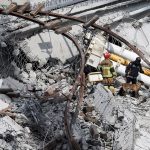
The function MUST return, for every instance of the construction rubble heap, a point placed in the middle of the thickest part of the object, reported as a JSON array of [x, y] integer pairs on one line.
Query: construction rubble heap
[[52, 96], [32, 113], [33, 121]]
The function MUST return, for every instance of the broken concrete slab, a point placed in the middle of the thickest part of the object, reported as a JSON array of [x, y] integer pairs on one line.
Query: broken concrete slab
[[125, 136], [5, 98], [47, 46], [3, 106], [12, 83], [104, 102], [6, 123], [4, 145]]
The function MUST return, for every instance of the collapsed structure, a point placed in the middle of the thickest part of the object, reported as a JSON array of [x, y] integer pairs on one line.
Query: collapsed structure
[[51, 101]]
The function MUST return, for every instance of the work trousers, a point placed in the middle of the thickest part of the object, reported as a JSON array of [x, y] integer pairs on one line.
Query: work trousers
[[108, 81], [109, 84], [132, 80]]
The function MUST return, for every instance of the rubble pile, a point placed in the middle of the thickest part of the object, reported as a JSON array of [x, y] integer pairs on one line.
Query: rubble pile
[[41, 118], [109, 122], [103, 122], [14, 134], [19, 64], [95, 131], [40, 114], [34, 97]]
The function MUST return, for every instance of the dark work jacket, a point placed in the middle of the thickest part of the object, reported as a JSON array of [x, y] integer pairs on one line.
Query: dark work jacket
[[133, 69]]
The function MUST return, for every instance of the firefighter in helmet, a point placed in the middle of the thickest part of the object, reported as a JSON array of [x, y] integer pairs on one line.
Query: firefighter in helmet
[[108, 72]]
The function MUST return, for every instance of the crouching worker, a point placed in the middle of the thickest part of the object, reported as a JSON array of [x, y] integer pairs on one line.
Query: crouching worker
[[131, 74], [108, 72]]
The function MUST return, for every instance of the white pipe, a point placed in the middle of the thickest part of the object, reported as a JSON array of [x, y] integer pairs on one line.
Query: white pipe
[[120, 69], [130, 55]]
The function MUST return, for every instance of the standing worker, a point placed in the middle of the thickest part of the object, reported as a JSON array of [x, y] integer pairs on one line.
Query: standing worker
[[131, 74], [108, 72], [132, 71]]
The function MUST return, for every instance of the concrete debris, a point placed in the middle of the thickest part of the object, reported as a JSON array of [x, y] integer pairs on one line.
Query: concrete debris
[[38, 72], [94, 132], [13, 84], [103, 122], [3, 106], [5, 99], [9, 124], [22, 119], [3, 44]]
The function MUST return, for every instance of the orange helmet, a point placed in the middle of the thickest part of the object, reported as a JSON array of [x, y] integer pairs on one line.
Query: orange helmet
[[106, 55]]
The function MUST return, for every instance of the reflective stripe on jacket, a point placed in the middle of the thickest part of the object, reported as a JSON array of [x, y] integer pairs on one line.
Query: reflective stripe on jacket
[[107, 69], [106, 72]]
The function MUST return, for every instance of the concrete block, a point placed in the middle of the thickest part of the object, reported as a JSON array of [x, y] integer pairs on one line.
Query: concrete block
[[3, 106], [6, 123]]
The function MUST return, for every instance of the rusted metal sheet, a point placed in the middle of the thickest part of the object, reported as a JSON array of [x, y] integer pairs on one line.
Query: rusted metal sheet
[[23, 8], [37, 10], [10, 8]]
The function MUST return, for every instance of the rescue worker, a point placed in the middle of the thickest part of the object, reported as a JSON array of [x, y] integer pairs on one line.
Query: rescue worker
[[131, 73], [108, 72]]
